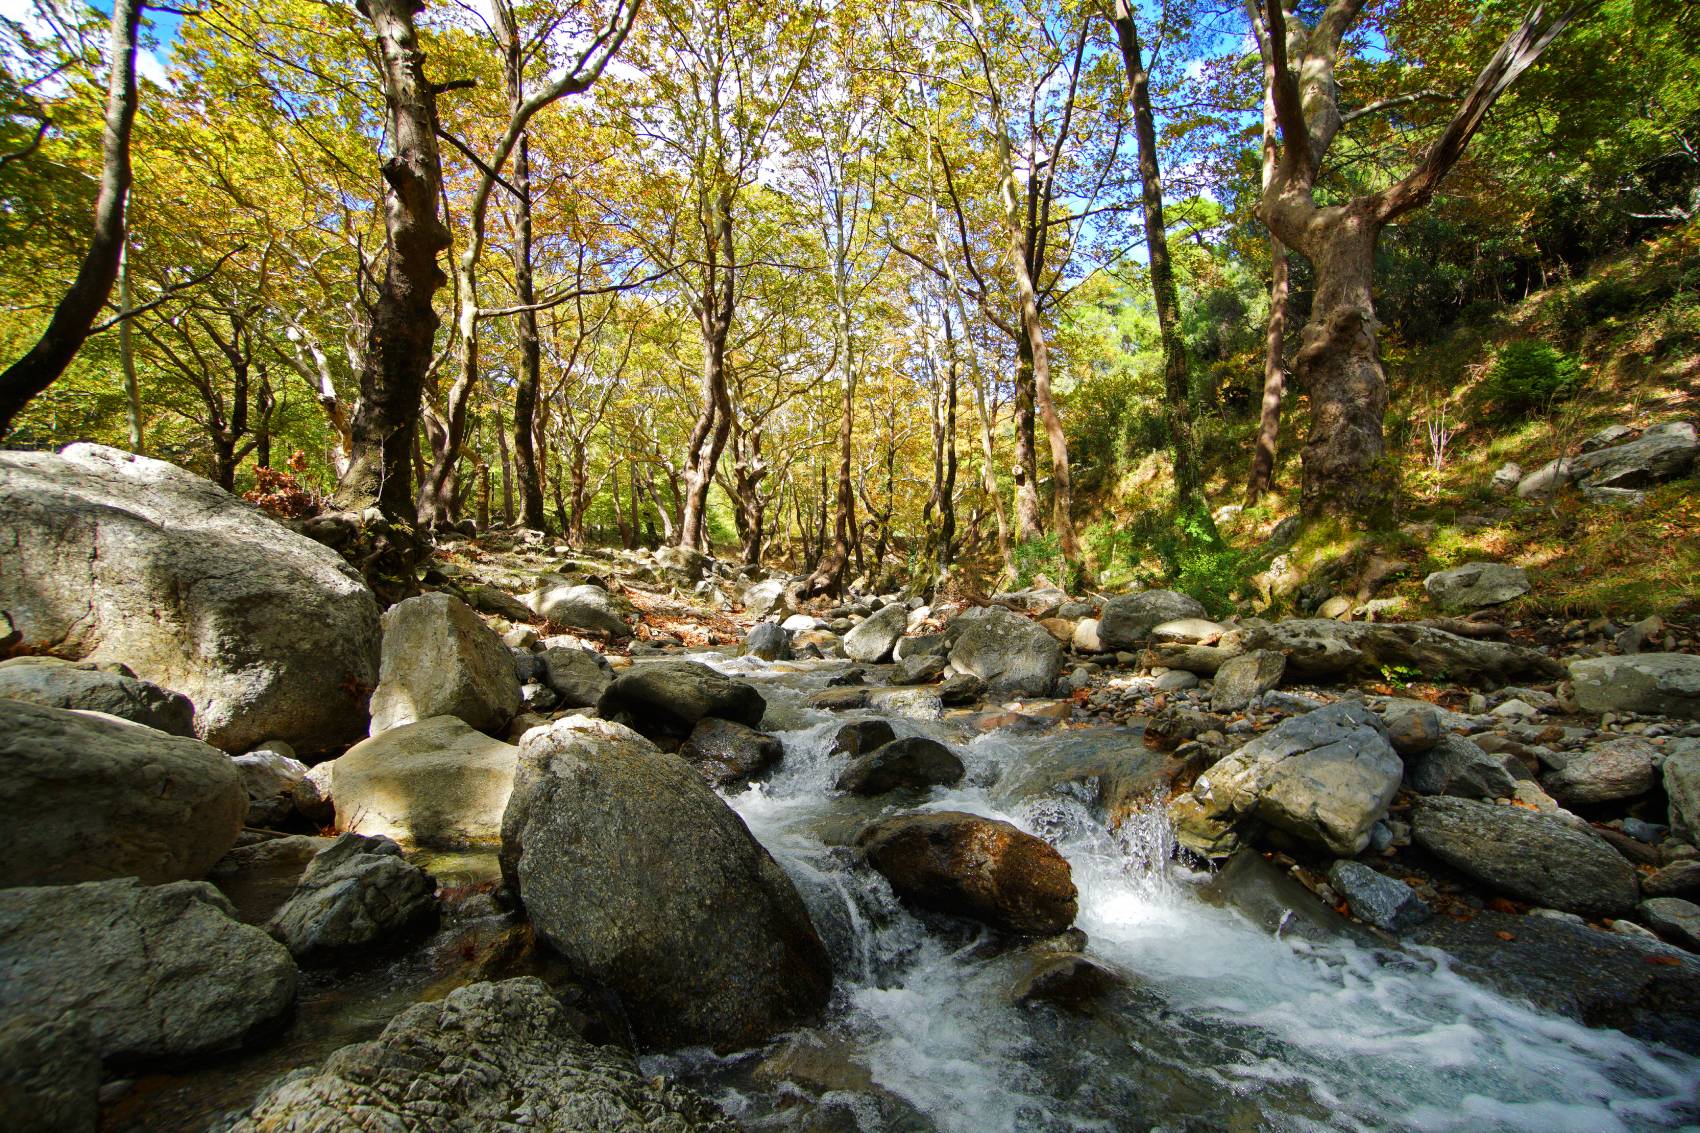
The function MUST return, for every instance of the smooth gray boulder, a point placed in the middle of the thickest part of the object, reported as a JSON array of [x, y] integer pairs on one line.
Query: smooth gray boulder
[[440, 659], [1541, 858], [1457, 766], [871, 640], [357, 896], [912, 763], [1662, 684], [730, 754], [158, 972], [49, 1075], [1610, 772], [115, 557], [1661, 453], [488, 1057], [1126, 621], [1475, 585], [1378, 899], [1546, 480], [667, 698], [577, 676], [438, 782], [1676, 920], [1324, 649], [1241, 680], [1413, 726], [93, 687], [1015, 656], [1325, 777], [767, 642], [575, 604], [270, 779], [766, 597], [84, 798], [633, 869]]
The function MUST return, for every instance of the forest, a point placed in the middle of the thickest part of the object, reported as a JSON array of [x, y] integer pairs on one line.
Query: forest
[[849, 566], [857, 287]]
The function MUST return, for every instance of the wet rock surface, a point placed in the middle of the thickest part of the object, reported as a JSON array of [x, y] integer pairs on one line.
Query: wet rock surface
[[910, 763]]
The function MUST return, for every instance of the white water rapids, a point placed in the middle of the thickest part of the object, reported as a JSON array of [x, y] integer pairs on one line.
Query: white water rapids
[[1222, 1026]]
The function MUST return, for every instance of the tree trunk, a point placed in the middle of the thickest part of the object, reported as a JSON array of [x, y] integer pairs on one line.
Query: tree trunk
[[1029, 524], [947, 487], [404, 322], [127, 355], [716, 306], [530, 380], [1274, 377], [66, 331]]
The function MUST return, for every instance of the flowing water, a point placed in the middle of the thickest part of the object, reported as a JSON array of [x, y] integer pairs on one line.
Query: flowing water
[[1221, 1025]]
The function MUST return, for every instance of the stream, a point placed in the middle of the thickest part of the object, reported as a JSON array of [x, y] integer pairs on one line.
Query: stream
[[1218, 1025]]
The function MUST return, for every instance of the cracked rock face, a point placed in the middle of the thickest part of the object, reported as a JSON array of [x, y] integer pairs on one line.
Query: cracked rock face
[[490, 1056], [115, 557]]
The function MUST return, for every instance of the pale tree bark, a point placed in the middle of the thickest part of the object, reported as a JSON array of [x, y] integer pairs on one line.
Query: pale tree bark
[[74, 317], [127, 354], [1338, 363], [1177, 386], [717, 303], [404, 321], [1262, 479]]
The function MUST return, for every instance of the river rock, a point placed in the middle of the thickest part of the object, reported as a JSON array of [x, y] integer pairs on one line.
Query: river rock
[[1325, 777], [359, 895], [1676, 920], [1378, 899], [970, 866], [158, 972], [1663, 684], [919, 670], [1609, 772], [1322, 649], [1475, 585], [1040, 601], [1679, 879], [1243, 679], [1457, 766], [683, 563], [578, 677], [488, 1057], [110, 688], [910, 763], [438, 782], [1014, 655], [767, 642], [1127, 620], [49, 1075], [729, 754], [667, 698], [1546, 480], [1188, 631], [115, 557], [961, 689], [440, 659], [1413, 726], [1661, 453], [85, 798], [1544, 859], [766, 598], [1086, 639], [860, 736], [269, 779], [575, 604], [872, 639], [1682, 787], [632, 868]]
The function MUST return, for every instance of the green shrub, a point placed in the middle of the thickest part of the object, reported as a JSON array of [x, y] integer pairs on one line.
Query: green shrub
[[1041, 556], [1529, 374]]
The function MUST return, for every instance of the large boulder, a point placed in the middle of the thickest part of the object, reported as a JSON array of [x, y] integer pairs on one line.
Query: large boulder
[[440, 659], [438, 782], [766, 597], [1241, 680], [631, 867], [159, 972], [1457, 766], [488, 1057], [1126, 621], [871, 640], [1610, 772], [1014, 655], [84, 798], [49, 1075], [768, 642], [1664, 684], [1474, 585], [1325, 777], [667, 698], [1547, 859], [912, 763], [1662, 453], [1324, 649], [578, 677], [114, 557], [575, 604], [729, 754], [970, 866], [94, 687], [356, 896]]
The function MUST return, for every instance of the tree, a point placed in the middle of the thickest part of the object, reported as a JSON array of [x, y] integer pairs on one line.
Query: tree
[[1338, 363], [76, 312]]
